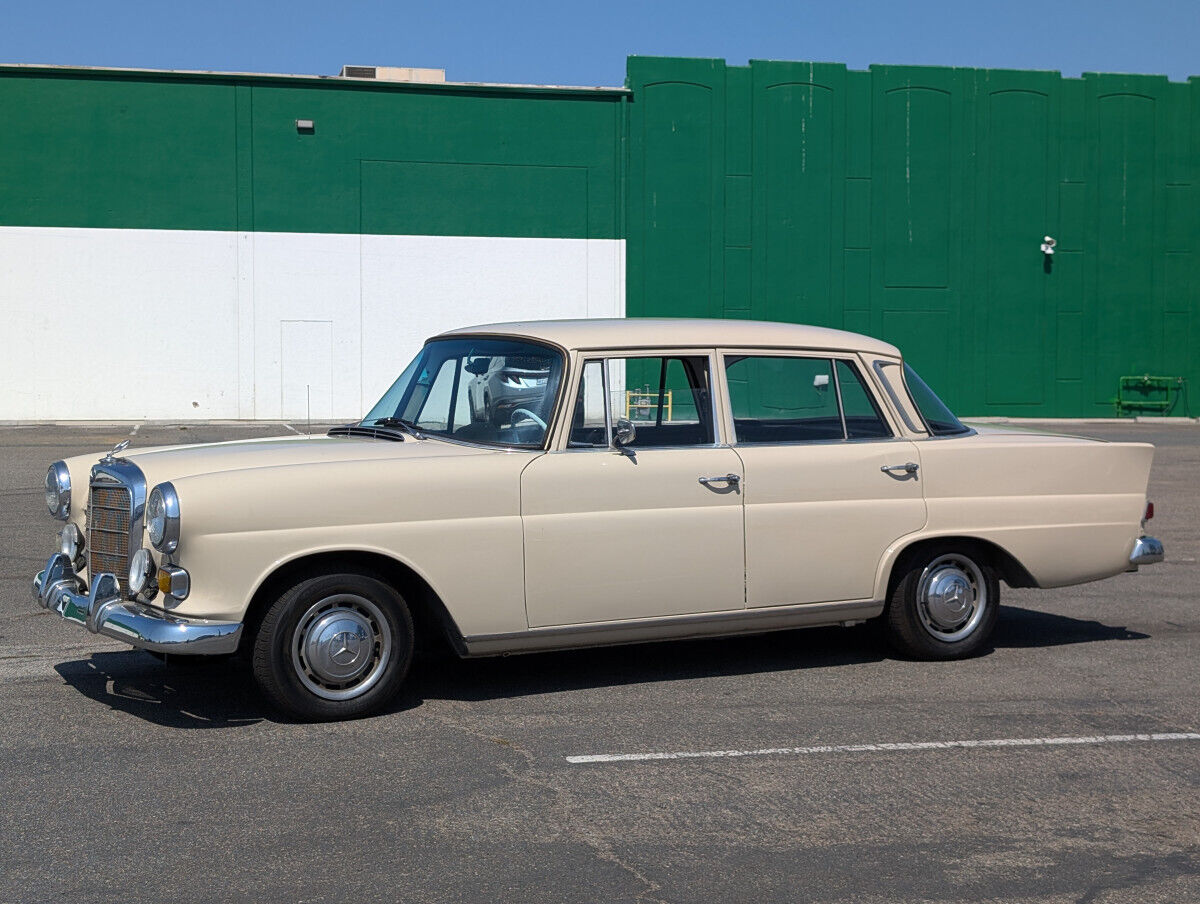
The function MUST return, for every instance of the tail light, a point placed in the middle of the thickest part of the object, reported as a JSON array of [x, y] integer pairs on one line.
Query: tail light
[[1149, 511]]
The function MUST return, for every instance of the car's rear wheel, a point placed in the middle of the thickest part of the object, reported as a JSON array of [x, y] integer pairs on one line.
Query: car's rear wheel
[[334, 646], [944, 605]]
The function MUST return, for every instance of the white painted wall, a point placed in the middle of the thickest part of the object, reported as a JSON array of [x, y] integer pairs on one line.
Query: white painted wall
[[104, 324]]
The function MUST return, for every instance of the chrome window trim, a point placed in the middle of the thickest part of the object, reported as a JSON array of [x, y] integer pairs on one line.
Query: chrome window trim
[[644, 448], [837, 388], [879, 365], [828, 442], [605, 382]]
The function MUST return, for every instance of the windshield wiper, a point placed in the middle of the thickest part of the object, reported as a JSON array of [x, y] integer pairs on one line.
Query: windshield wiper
[[407, 426]]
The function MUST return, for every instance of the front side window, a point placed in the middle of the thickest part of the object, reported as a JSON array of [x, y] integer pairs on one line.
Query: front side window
[[795, 400], [667, 399], [492, 391]]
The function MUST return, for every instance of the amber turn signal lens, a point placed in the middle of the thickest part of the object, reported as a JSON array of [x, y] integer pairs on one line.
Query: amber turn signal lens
[[164, 582]]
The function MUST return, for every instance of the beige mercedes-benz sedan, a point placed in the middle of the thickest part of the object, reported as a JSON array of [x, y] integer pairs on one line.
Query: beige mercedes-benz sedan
[[621, 481]]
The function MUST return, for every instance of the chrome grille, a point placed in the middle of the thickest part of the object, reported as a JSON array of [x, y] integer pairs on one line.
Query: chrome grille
[[109, 514]]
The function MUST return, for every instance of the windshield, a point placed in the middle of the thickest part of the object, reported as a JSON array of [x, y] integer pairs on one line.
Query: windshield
[[937, 416], [493, 391]]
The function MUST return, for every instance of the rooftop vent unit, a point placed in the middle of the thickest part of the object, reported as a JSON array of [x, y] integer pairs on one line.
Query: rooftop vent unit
[[395, 74]]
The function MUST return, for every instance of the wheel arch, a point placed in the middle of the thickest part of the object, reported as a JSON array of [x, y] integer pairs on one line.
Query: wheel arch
[[432, 621], [1007, 566]]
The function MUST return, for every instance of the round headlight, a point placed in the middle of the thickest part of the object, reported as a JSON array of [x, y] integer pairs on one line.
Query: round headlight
[[58, 490], [141, 570], [162, 518], [70, 542], [156, 517]]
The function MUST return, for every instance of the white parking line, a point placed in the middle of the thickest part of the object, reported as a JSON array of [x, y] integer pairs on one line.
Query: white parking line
[[886, 747]]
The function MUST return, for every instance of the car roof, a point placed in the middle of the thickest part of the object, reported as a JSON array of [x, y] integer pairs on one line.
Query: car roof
[[647, 332]]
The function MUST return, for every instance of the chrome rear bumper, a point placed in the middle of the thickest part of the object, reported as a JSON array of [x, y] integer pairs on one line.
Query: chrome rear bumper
[[1146, 551], [102, 611]]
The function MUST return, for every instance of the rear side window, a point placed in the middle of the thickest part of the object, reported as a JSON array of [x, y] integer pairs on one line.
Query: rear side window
[[795, 400], [909, 391], [941, 419], [863, 418]]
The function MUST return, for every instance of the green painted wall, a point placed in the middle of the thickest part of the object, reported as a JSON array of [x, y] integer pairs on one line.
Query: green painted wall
[[909, 203], [135, 150]]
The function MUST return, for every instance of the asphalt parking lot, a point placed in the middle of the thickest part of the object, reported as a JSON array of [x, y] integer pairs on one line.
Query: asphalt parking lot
[[127, 779]]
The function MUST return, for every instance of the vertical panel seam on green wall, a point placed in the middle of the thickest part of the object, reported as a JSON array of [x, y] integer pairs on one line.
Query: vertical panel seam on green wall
[[244, 136]]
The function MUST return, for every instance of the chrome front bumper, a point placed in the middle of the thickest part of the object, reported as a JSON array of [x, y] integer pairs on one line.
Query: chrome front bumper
[[1146, 551], [102, 611]]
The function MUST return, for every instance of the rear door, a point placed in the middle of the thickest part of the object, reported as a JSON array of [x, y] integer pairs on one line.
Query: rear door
[[829, 484]]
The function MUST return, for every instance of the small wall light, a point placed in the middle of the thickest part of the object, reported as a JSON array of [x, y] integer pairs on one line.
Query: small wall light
[[305, 126]]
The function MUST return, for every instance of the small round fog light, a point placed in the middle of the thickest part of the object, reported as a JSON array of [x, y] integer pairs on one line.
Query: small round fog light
[[70, 542], [141, 570]]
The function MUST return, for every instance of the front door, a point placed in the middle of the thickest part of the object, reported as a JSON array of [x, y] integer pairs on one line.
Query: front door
[[613, 534]]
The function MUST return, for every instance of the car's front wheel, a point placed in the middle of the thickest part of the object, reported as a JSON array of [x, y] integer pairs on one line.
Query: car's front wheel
[[944, 605], [334, 646]]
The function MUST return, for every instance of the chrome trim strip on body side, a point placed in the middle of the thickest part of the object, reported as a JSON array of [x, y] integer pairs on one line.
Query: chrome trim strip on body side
[[678, 627], [102, 611]]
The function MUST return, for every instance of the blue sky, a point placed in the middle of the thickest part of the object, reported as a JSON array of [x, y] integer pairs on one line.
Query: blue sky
[[586, 44]]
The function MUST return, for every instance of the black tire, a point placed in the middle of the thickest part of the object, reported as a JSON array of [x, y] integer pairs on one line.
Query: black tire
[[334, 646], [944, 605]]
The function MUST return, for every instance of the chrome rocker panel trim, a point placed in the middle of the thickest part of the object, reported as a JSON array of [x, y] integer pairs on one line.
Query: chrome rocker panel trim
[[1146, 551], [102, 611]]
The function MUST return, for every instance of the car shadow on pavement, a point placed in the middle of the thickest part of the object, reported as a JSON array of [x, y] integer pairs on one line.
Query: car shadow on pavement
[[186, 693], [1018, 628], [443, 677], [201, 694]]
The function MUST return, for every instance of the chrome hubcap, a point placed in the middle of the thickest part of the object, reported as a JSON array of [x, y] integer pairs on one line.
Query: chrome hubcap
[[341, 647], [951, 597]]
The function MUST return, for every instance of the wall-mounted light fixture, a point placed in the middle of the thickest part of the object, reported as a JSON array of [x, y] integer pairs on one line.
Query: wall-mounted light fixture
[[305, 126]]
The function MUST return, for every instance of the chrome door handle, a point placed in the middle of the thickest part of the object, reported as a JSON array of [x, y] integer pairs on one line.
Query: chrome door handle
[[731, 479], [909, 467]]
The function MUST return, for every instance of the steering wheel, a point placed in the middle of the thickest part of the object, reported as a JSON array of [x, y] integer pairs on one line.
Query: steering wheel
[[525, 415]]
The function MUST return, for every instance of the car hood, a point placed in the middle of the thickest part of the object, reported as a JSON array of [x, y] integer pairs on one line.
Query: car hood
[[176, 462]]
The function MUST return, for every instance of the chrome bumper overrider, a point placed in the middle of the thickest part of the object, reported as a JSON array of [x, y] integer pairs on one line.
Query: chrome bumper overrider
[[102, 611], [1146, 551]]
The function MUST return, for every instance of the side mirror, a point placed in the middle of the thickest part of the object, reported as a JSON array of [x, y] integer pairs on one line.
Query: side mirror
[[478, 366], [624, 433]]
